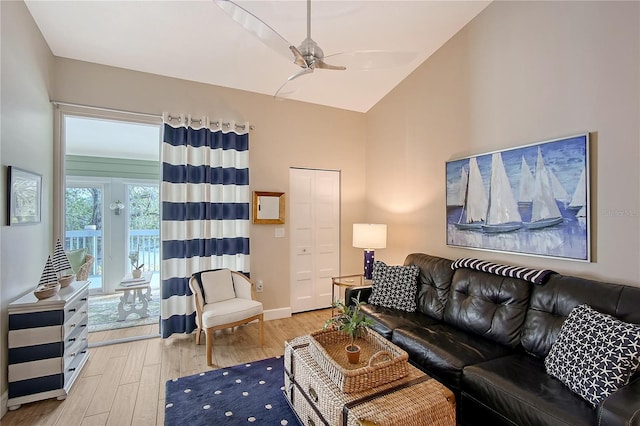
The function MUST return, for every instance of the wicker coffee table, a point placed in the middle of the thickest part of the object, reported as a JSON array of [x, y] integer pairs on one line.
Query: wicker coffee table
[[413, 400]]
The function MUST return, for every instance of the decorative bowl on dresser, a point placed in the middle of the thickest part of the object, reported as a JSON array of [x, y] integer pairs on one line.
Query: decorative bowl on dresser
[[47, 344]]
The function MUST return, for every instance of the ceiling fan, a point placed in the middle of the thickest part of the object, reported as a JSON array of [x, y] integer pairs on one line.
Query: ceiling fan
[[308, 55]]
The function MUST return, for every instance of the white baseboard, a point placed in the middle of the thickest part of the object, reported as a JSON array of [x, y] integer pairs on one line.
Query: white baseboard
[[273, 314], [3, 403]]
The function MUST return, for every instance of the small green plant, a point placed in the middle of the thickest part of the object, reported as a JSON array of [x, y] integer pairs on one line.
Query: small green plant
[[134, 257], [349, 319]]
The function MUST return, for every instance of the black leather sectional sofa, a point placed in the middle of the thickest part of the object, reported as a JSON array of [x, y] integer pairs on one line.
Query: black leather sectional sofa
[[486, 336]]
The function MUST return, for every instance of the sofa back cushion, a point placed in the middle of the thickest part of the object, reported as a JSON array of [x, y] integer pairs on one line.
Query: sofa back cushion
[[552, 302], [488, 305], [434, 281]]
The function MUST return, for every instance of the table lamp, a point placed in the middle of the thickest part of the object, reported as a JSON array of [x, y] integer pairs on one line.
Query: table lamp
[[369, 236]]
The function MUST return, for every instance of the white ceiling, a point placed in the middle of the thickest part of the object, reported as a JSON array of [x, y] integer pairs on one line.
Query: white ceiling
[[196, 40]]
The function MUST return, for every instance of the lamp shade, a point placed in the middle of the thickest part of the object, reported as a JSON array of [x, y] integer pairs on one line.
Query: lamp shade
[[370, 235]]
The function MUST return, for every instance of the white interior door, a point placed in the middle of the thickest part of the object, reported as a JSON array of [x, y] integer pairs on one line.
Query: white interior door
[[315, 236]]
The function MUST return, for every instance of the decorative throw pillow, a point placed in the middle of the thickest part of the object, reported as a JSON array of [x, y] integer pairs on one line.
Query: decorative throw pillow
[[394, 286], [595, 354], [76, 258], [217, 285]]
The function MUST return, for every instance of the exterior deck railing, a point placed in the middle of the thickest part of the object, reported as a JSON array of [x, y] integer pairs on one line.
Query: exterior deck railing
[[148, 241]]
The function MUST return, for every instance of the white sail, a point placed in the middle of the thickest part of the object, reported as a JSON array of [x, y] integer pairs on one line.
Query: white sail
[[525, 192], [544, 203], [477, 202], [559, 193], [503, 208], [579, 198], [462, 188]]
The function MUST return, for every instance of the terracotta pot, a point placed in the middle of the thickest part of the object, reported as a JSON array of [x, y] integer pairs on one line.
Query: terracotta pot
[[353, 353], [136, 273]]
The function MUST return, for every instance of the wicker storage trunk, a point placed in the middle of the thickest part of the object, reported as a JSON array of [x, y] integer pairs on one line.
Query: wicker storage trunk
[[414, 400]]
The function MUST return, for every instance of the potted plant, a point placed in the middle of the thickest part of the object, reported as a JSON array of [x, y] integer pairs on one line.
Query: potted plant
[[137, 268], [352, 322]]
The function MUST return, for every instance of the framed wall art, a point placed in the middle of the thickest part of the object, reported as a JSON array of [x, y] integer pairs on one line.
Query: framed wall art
[[24, 196], [532, 199]]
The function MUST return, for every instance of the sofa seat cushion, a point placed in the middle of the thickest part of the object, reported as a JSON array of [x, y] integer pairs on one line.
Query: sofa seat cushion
[[443, 351], [518, 388], [385, 320]]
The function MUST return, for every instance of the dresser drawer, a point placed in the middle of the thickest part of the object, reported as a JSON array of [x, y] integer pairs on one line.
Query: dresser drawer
[[79, 319], [76, 305]]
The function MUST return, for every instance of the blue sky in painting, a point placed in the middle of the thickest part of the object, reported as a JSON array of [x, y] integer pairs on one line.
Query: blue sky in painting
[[565, 158]]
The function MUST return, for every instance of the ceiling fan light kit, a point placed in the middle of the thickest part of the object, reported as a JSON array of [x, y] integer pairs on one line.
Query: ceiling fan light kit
[[308, 55]]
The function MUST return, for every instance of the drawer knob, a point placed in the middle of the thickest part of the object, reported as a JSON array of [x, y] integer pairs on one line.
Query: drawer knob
[[310, 421], [72, 369], [84, 299], [73, 339], [72, 310], [72, 325]]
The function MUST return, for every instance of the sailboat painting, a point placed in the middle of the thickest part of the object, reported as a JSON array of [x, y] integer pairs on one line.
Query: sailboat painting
[[533, 199]]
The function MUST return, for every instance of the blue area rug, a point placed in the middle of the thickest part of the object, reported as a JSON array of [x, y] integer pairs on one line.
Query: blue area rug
[[249, 393]]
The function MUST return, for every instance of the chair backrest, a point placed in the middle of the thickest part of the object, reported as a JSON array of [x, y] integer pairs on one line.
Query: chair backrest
[[215, 285]]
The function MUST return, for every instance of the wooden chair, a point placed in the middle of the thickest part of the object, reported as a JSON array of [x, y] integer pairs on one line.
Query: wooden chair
[[224, 299]]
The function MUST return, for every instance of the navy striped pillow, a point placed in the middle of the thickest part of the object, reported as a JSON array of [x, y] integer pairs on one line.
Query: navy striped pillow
[[536, 276]]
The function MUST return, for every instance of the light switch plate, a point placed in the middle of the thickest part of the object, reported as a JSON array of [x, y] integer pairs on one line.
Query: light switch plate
[[279, 232]]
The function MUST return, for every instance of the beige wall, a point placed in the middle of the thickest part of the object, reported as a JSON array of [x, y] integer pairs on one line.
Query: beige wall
[[520, 72], [27, 126], [287, 134]]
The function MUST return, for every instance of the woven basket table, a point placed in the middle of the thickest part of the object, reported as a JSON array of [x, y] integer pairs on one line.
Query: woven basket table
[[415, 400], [380, 360]]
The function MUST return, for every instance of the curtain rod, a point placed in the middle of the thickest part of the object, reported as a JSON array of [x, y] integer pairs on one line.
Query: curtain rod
[[146, 114], [59, 103]]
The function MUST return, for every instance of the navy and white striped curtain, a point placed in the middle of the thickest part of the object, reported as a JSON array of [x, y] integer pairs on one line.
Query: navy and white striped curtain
[[205, 209]]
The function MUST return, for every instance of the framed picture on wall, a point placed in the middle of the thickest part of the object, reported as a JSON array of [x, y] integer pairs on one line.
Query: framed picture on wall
[[532, 199], [24, 196]]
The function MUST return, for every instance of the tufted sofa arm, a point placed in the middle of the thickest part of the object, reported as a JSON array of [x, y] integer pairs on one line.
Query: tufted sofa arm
[[622, 407]]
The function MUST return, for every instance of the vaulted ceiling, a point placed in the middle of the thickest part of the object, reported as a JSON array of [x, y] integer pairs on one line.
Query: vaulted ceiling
[[198, 41]]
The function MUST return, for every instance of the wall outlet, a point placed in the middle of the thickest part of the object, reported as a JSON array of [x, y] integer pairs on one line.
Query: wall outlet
[[259, 286]]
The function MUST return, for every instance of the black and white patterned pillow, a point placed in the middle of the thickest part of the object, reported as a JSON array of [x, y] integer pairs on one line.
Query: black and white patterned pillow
[[394, 286], [595, 354]]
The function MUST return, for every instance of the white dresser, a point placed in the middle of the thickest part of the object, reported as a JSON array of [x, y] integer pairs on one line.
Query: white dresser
[[47, 344]]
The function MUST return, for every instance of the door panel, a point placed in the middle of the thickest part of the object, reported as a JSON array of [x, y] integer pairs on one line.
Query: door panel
[[315, 227]]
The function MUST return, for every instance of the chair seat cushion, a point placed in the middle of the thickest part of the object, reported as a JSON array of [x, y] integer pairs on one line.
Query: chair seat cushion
[[229, 311]]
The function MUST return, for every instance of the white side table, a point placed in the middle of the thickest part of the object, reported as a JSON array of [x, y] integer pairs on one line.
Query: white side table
[[133, 300]]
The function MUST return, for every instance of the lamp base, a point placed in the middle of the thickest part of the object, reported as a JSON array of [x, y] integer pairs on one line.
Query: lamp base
[[369, 257]]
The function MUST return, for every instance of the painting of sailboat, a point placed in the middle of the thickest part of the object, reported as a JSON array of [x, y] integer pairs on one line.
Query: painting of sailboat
[[544, 210], [474, 200], [502, 214], [533, 199]]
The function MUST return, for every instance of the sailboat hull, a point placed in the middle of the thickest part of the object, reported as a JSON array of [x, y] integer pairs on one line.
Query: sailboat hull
[[502, 227], [542, 223], [473, 226]]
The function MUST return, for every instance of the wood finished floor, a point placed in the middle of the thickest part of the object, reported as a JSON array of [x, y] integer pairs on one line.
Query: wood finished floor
[[124, 384]]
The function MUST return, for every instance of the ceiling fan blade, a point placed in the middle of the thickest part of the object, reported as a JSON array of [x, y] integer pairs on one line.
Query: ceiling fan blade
[[320, 63], [363, 60], [281, 94], [257, 27], [299, 59]]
